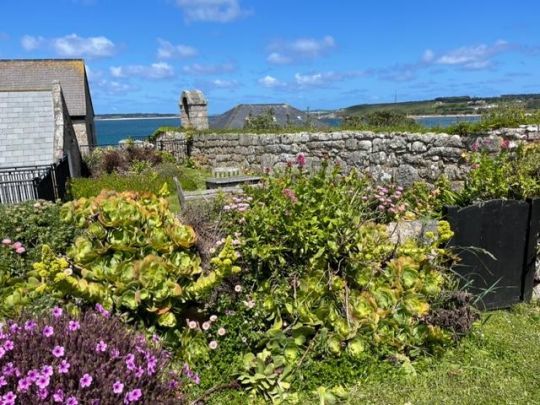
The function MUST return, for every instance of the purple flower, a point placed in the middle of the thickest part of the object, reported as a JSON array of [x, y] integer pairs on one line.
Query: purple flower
[[2, 352], [58, 351], [24, 384], [73, 326], [115, 353], [118, 387], [102, 310], [14, 328], [58, 396], [130, 361], [9, 398], [101, 346], [48, 331], [63, 368], [30, 325], [72, 401], [57, 312], [33, 375], [140, 372], [134, 395], [2, 381], [8, 345], [43, 381], [47, 370], [43, 394], [86, 380]]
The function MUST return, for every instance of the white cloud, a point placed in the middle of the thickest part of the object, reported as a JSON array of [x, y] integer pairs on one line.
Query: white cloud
[[72, 45], [30, 43], [278, 58], [212, 10], [302, 48], [270, 82], [167, 50], [470, 57], [224, 84], [155, 71], [321, 79], [199, 69]]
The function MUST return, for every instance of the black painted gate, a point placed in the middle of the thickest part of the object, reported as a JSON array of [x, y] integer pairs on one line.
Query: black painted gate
[[508, 230]]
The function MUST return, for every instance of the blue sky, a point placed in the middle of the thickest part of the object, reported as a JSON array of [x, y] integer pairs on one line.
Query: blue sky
[[318, 54]]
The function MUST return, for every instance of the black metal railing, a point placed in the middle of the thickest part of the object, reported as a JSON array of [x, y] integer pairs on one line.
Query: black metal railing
[[24, 183]]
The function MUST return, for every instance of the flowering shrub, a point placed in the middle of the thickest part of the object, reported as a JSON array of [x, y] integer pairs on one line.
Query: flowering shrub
[[93, 359], [24, 228]]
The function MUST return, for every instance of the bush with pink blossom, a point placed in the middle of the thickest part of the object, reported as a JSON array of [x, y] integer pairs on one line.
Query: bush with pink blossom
[[91, 359]]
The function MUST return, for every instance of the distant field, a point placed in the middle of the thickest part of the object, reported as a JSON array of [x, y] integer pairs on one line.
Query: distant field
[[447, 105]]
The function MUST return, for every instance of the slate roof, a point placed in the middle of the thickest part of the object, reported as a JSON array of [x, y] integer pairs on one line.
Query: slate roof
[[285, 115], [38, 74]]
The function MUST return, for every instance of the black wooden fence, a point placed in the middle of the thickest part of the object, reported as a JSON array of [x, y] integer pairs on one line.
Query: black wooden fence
[[24, 183], [497, 244]]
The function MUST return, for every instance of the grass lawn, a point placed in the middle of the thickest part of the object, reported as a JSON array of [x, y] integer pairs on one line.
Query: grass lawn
[[498, 364]]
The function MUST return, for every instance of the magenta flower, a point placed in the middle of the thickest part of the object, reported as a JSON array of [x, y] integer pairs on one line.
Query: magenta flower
[[43, 394], [9, 398], [47, 370], [64, 366], [130, 361], [48, 331], [24, 384], [33, 375], [58, 396], [134, 395], [73, 326], [14, 328], [72, 401], [2, 381], [57, 312], [86, 380], [58, 351], [43, 381], [115, 353], [30, 325], [2, 352], [118, 387], [102, 310], [301, 160], [8, 345], [101, 346]]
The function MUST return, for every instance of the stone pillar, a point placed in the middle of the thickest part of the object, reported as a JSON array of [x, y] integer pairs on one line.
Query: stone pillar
[[193, 110]]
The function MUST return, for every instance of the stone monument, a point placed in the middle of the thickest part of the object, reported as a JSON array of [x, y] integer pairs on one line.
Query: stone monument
[[193, 110]]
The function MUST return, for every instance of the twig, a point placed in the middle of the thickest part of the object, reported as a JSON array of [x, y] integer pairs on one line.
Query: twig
[[232, 385]]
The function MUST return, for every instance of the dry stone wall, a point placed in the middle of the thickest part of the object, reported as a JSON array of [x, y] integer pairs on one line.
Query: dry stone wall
[[403, 157]]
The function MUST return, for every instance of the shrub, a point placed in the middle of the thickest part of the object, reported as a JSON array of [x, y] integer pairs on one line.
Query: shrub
[[82, 360], [30, 224]]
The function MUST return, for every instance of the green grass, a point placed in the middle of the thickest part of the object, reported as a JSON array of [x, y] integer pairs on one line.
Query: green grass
[[497, 364]]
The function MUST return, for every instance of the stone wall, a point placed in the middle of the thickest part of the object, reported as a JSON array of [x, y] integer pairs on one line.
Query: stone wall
[[403, 157]]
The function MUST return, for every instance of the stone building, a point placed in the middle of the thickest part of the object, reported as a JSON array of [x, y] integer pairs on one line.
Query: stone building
[[23, 75], [36, 129], [193, 110]]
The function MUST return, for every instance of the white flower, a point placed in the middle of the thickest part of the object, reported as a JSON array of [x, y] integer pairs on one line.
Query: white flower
[[192, 324], [238, 288], [213, 345], [206, 325], [221, 331], [213, 318]]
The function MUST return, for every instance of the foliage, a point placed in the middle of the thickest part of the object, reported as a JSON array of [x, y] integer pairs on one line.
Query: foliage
[[132, 255], [264, 121], [30, 224], [85, 359], [381, 120], [326, 278], [124, 159]]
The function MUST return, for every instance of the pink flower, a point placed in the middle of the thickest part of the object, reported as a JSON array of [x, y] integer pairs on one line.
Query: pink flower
[[47, 370], [24, 384], [290, 194], [20, 250], [57, 312], [30, 326], [58, 396], [101, 346], [133, 396], [9, 398], [118, 387], [301, 160], [86, 380], [48, 331], [73, 326], [72, 401], [16, 245], [505, 144], [192, 324], [2, 352], [6, 242], [42, 381], [64, 366], [9, 345], [58, 351], [102, 310]]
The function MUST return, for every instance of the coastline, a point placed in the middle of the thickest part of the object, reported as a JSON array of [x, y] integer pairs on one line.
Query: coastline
[[445, 116], [138, 118]]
